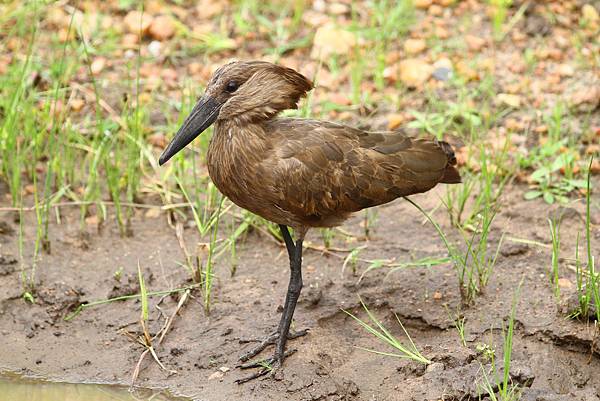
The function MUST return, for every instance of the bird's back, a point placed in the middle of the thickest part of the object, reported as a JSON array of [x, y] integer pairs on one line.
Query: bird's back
[[323, 171]]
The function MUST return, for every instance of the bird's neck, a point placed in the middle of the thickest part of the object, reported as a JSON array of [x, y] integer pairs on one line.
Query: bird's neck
[[234, 137]]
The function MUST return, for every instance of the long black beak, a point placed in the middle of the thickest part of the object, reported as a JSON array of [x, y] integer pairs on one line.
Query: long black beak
[[204, 113]]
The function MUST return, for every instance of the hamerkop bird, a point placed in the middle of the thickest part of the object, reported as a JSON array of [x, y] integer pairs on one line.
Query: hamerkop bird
[[300, 173]]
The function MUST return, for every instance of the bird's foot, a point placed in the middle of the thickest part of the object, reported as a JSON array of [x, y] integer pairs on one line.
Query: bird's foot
[[269, 366], [270, 340]]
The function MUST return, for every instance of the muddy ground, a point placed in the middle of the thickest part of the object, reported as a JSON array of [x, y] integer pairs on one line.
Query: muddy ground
[[554, 358]]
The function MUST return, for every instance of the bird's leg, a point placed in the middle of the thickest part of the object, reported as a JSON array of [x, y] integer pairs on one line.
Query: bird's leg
[[283, 332]]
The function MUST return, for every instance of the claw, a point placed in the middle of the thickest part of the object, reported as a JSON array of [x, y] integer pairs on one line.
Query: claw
[[269, 366], [270, 340]]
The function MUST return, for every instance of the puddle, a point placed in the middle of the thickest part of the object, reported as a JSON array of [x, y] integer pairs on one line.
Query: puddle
[[17, 388]]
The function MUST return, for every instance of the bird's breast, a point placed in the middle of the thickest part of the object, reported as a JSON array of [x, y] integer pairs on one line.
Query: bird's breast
[[234, 159]]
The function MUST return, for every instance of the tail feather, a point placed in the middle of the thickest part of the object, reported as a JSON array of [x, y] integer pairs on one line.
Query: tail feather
[[451, 174]]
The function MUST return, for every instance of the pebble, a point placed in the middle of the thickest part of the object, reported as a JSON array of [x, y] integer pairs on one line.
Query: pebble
[[134, 21], [394, 121], [162, 28], [415, 72], [330, 40], [422, 4], [507, 99], [154, 48], [414, 46]]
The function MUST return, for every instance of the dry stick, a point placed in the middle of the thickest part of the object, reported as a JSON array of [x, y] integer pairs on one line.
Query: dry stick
[[163, 332]]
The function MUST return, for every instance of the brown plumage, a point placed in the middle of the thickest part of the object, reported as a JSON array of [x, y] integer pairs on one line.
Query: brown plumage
[[301, 173]]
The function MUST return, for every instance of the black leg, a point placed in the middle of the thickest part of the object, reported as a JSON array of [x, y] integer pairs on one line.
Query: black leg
[[293, 292], [283, 332]]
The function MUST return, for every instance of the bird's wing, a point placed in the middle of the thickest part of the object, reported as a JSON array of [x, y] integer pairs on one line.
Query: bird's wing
[[321, 168]]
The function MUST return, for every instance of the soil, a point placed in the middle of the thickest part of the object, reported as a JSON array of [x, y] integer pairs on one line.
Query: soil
[[554, 358]]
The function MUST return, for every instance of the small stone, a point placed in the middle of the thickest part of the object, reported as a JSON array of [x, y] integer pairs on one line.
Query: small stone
[[474, 43], [394, 121], [77, 104], [97, 65], [592, 149], [207, 9], [154, 48], [442, 74], [162, 28], [436, 10], [422, 4], [130, 40], [135, 21], [339, 9], [437, 295], [507, 99], [330, 40], [216, 375], [435, 367], [586, 99], [441, 32], [152, 213], [29, 189], [92, 220], [224, 369], [589, 13], [565, 283], [414, 46], [566, 70], [415, 72]]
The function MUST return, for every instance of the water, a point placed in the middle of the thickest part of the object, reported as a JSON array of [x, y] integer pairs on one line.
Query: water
[[17, 388]]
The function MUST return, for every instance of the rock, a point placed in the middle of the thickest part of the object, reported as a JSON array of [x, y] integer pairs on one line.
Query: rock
[[92, 220], [435, 367], [422, 4], [441, 33], [152, 213], [129, 40], [586, 99], [154, 48], [474, 43], [507, 99], [566, 70], [394, 121], [339, 9], [216, 375], [162, 28], [443, 70], [414, 46], [565, 283], [435, 10], [97, 65], [331, 40], [135, 21], [207, 9], [77, 104], [442, 74], [589, 13], [414, 72], [514, 249]]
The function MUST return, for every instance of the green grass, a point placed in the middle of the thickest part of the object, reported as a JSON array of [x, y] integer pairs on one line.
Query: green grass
[[499, 387], [473, 258], [378, 330], [588, 279]]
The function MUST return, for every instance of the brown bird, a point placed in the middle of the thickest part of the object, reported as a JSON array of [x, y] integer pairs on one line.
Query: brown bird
[[300, 173]]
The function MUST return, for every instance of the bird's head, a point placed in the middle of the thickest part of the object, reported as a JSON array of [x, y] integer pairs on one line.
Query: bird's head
[[247, 91]]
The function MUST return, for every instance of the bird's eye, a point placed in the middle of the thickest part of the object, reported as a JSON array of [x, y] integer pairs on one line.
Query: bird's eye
[[232, 86]]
